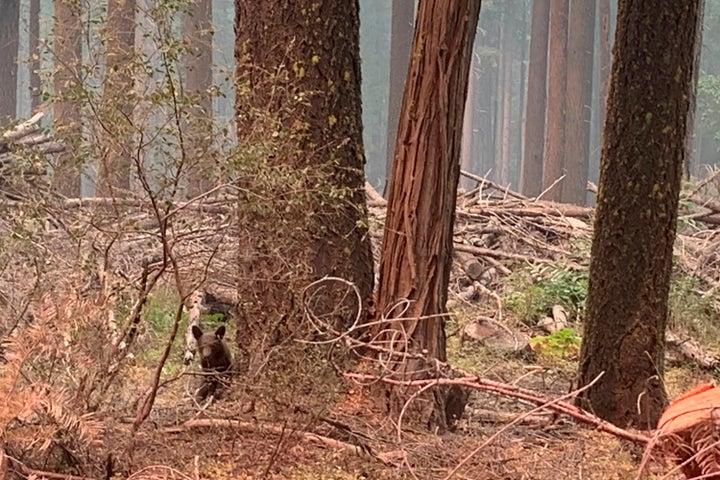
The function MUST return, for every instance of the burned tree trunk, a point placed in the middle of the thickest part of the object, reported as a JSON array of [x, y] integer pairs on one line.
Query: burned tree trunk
[[299, 115], [641, 169]]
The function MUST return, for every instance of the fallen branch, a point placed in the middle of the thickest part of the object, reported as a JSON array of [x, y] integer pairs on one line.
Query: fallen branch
[[690, 350], [512, 391], [491, 416], [32, 473], [25, 128], [485, 182], [266, 428], [537, 209], [488, 252]]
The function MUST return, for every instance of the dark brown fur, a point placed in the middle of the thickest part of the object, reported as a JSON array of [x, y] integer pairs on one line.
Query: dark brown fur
[[215, 360]]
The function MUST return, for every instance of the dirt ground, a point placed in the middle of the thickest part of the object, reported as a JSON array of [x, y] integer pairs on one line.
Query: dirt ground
[[303, 419]]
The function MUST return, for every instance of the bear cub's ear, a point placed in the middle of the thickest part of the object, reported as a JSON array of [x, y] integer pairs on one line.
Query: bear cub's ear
[[220, 332], [197, 333]]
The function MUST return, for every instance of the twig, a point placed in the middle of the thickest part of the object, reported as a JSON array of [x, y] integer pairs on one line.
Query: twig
[[552, 185], [506, 190]]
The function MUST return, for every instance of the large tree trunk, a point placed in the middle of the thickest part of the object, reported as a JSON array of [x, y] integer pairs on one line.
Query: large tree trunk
[[557, 82], [417, 246], [9, 36], [641, 168], [532, 165], [580, 45], [401, 34], [67, 57], [115, 164], [303, 212]]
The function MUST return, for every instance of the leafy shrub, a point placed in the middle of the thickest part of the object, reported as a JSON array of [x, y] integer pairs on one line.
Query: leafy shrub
[[534, 291]]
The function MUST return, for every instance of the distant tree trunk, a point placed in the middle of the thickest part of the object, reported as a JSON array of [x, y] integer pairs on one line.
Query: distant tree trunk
[[417, 245], [532, 166], [198, 77], [557, 82], [641, 169], [604, 74], [9, 36], [401, 34], [578, 100], [689, 157], [304, 215], [198, 62], [507, 52], [34, 48], [114, 168], [519, 135], [67, 59], [490, 71], [466, 150]]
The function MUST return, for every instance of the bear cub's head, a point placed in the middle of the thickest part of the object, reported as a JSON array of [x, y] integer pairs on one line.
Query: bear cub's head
[[214, 352]]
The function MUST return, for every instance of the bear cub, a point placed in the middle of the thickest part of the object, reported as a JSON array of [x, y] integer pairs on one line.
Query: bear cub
[[215, 360]]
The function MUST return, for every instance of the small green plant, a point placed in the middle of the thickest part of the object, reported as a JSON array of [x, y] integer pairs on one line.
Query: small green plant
[[158, 318], [564, 343], [533, 292], [160, 310]]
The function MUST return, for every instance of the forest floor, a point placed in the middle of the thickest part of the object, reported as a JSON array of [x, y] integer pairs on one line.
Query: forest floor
[[519, 266]]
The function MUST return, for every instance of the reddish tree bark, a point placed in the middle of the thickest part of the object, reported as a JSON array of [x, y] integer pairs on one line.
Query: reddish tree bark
[[532, 165], [580, 47], [557, 81], [417, 246]]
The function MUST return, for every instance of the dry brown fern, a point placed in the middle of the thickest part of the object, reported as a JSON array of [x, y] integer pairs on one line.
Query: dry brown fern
[[689, 433], [37, 382]]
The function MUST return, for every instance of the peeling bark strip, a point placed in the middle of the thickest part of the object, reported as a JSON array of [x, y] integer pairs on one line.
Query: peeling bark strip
[[417, 246], [641, 168]]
